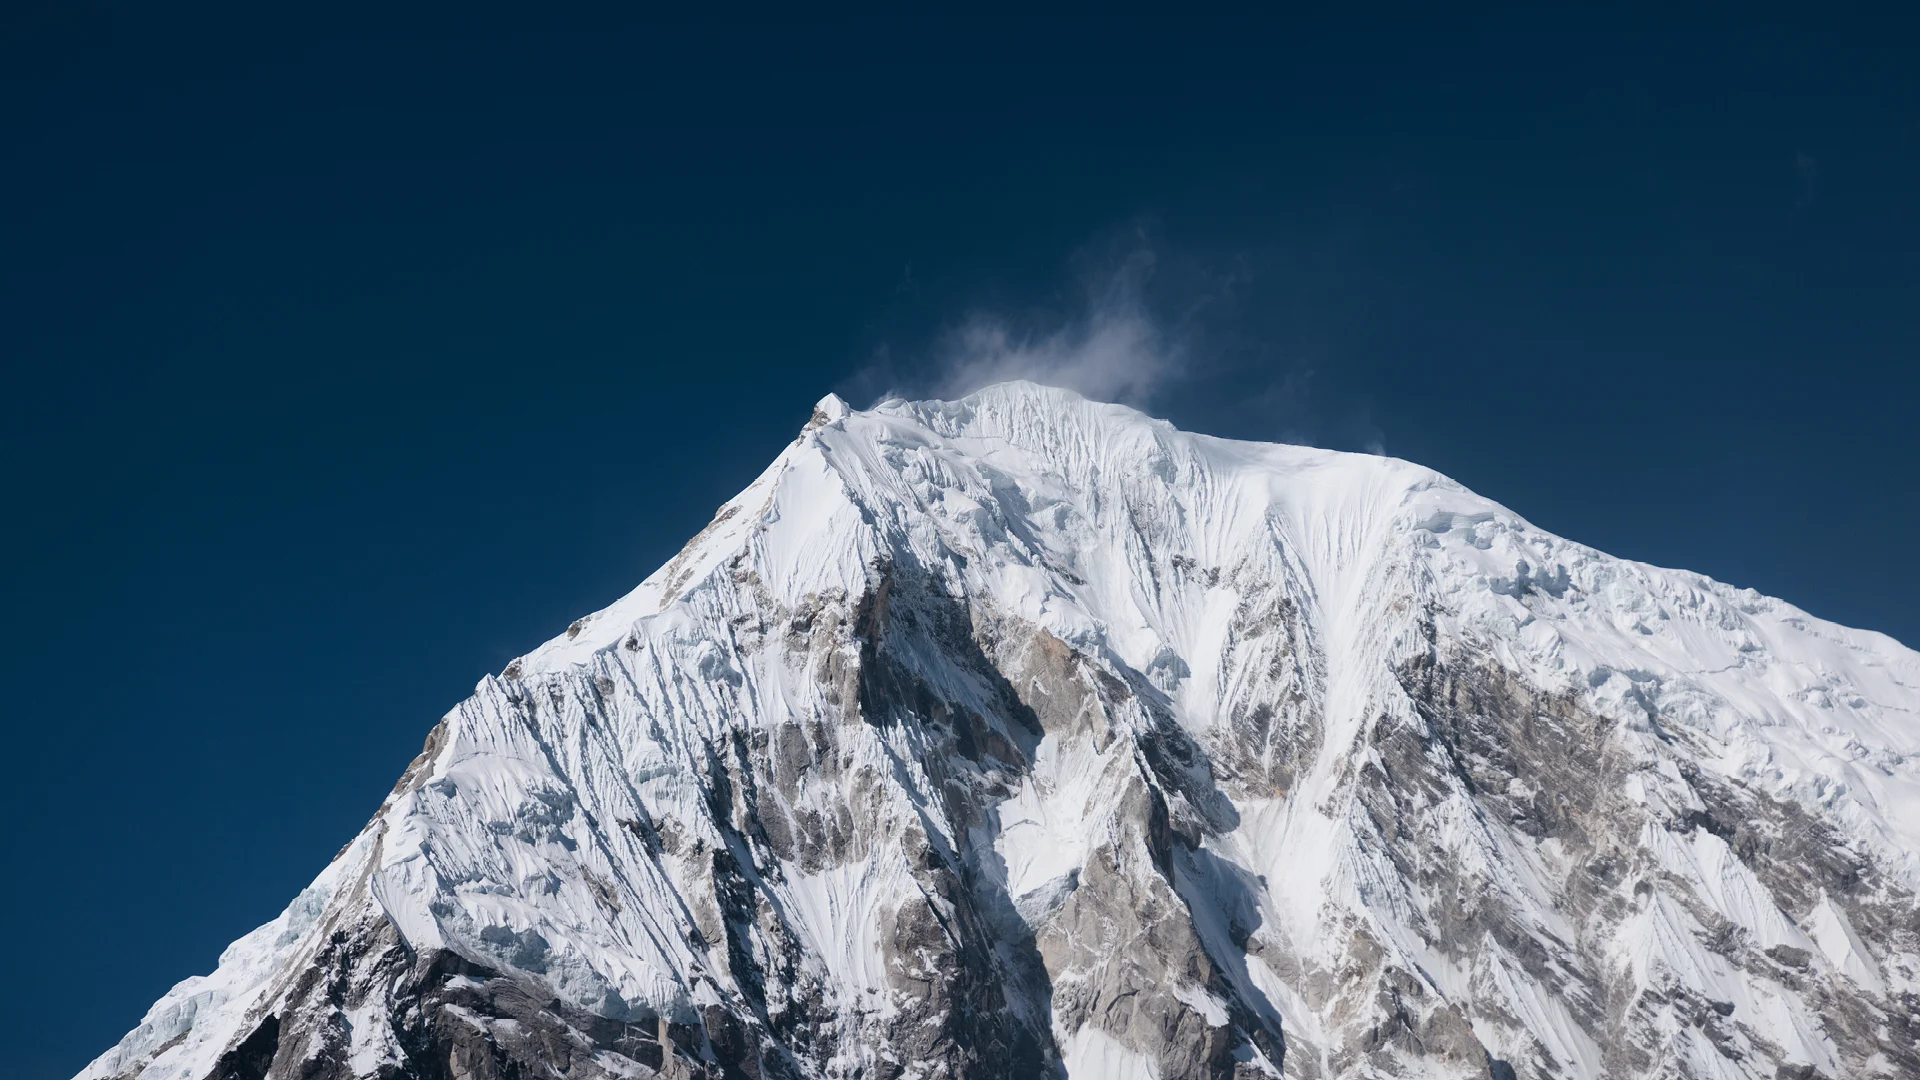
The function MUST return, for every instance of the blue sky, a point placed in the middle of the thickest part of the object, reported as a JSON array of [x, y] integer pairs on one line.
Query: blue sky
[[348, 358]]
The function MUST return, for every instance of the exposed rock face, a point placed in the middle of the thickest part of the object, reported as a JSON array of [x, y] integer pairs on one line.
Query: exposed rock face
[[1027, 737]]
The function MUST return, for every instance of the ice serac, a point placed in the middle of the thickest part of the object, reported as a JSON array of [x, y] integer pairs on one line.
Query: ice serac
[[1025, 736]]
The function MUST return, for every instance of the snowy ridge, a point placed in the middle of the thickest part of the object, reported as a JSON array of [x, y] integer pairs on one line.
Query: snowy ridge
[[1026, 735]]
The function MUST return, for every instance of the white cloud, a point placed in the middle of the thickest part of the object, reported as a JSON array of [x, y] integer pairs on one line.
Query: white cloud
[[1109, 355], [1113, 349], [1172, 339]]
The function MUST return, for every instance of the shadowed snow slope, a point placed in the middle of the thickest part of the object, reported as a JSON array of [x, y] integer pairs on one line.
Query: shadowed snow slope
[[1028, 736]]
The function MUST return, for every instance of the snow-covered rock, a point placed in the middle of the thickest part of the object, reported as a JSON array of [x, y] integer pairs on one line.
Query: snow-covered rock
[[1028, 736]]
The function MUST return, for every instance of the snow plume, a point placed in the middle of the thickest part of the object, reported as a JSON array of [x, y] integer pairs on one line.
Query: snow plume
[[1236, 339], [1111, 346], [1114, 351]]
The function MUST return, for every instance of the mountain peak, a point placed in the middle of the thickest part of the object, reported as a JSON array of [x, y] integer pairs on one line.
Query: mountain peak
[[1026, 735], [828, 409]]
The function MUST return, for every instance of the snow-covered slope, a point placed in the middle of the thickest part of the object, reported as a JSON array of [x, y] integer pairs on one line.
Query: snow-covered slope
[[1023, 735]]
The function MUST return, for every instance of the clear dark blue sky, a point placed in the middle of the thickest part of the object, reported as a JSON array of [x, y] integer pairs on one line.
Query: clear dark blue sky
[[348, 358]]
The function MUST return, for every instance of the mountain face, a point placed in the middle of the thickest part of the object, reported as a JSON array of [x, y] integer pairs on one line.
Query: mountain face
[[1023, 736]]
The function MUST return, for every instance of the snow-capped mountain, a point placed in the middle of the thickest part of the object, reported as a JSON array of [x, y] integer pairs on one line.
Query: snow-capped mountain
[[1025, 736]]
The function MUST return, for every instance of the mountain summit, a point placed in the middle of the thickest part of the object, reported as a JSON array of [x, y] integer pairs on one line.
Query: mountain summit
[[1025, 736]]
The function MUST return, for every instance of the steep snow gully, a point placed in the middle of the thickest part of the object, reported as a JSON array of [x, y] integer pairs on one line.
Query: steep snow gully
[[1025, 736]]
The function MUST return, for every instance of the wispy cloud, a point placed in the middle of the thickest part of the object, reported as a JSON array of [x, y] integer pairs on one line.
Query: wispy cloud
[[1109, 346], [1110, 354], [1188, 338]]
